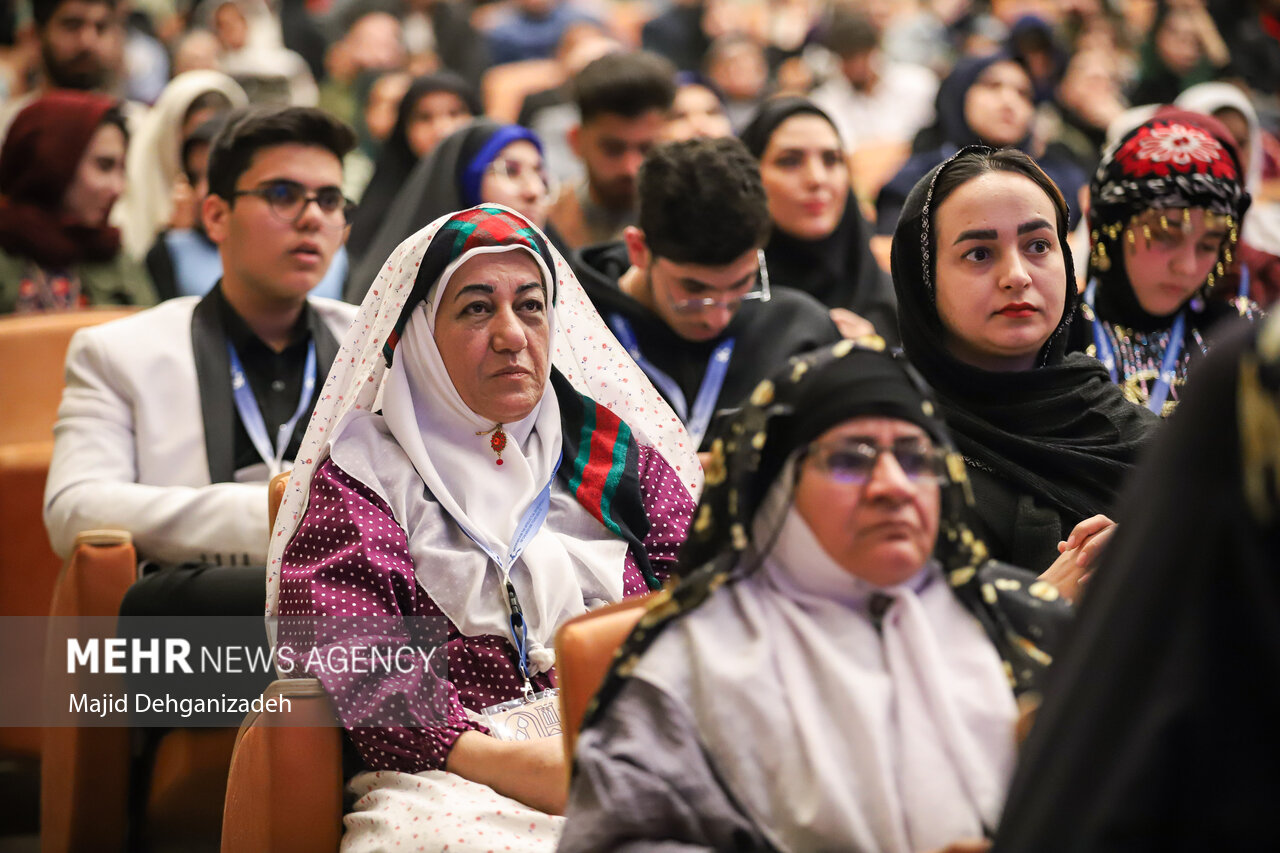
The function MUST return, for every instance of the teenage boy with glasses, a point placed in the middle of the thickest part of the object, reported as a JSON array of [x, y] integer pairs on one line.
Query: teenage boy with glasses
[[687, 291]]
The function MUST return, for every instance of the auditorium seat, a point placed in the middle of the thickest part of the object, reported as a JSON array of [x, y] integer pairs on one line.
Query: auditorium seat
[[32, 351], [585, 646]]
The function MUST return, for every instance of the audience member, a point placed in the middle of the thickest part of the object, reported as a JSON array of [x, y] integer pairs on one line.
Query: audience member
[[552, 113], [494, 391], [1258, 251], [622, 99], [157, 195], [1157, 732], [481, 162], [736, 65], [442, 31], [819, 239], [873, 99], [678, 33], [378, 98], [372, 41], [819, 681], [531, 29], [1183, 48], [696, 112], [434, 106], [62, 168], [687, 292], [986, 293], [1166, 206], [251, 49], [1089, 98], [987, 100], [152, 435]]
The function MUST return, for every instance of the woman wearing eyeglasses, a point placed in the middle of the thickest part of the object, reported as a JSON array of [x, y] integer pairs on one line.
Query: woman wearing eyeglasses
[[61, 173], [820, 680], [481, 162], [986, 292]]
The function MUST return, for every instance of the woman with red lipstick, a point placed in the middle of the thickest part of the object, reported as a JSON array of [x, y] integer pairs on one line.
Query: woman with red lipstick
[[986, 290], [819, 240], [1166, 207], [61, 172]]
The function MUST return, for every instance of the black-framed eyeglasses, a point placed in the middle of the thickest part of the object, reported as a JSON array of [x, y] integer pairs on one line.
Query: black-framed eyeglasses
[[288, 199], [854, 462], [703, 303]]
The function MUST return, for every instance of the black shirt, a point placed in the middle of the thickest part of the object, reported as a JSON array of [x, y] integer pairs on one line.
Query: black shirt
[[274, 377]]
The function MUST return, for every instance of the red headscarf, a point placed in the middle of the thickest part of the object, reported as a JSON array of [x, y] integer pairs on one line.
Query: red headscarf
[[38, 162]]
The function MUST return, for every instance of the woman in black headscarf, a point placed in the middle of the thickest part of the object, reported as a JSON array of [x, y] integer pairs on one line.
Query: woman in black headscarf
[[985, 100], [484, 161], [819, 680], [434, 106], [819, 240], [1158, 730], [986, 292]]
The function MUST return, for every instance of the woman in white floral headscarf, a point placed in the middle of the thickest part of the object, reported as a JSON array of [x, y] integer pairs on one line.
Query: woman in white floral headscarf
[[485, 463]]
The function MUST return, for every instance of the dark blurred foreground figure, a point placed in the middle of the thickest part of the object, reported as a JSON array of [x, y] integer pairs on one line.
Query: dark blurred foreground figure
[[819, 681], [1158, 729]]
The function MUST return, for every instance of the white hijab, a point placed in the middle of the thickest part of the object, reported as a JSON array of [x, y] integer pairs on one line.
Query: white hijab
[[410, 445], [897, 740], [154, 159]]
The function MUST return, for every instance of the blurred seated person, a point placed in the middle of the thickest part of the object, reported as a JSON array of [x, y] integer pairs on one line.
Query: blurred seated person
[[174, 419], [378, 97], [457, 503], [985, 100], [552, 113], [697, 111], [531, 29], [820, 680], [157, 196], [184, 261], [622, 100], [434, 106], [873, 99], [687, 289], [62, 168], [483, 161], [735, 63], [819, 242]]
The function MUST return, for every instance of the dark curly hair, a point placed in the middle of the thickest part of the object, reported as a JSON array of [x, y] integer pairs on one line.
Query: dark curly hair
[[702, 201]]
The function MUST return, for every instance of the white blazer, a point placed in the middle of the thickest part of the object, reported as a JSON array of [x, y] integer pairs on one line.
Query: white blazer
[[145, 434]]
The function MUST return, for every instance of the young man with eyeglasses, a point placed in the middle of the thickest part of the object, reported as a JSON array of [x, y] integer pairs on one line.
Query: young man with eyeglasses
[[687, 291], [173, 419]]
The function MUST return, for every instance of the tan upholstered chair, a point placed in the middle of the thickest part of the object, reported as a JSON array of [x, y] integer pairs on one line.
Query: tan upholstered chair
[[284, 791], [32, 351], [585, 646]]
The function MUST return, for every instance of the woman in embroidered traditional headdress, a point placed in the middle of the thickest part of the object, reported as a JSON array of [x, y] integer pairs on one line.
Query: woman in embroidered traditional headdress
[[485, 463], [820, 681], [986, 292], [1165, 210], [62, 170], [1158, 730]]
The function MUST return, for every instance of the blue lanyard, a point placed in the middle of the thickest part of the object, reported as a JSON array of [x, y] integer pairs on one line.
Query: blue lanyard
[[1168, 365], [1243, 292], [251, 415], [530, 523], [704, 405]]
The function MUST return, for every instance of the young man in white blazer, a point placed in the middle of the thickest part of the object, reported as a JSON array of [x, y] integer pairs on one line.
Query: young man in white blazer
[[153, 434]]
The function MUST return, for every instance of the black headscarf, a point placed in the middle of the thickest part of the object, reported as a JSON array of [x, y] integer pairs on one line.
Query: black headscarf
[[396, 159], [810, 395], [838, 270], [1157, 730], [1060, 432]]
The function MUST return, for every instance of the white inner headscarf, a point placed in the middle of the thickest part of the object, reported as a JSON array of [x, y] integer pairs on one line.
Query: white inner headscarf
[[582, 349], [897, 740]]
